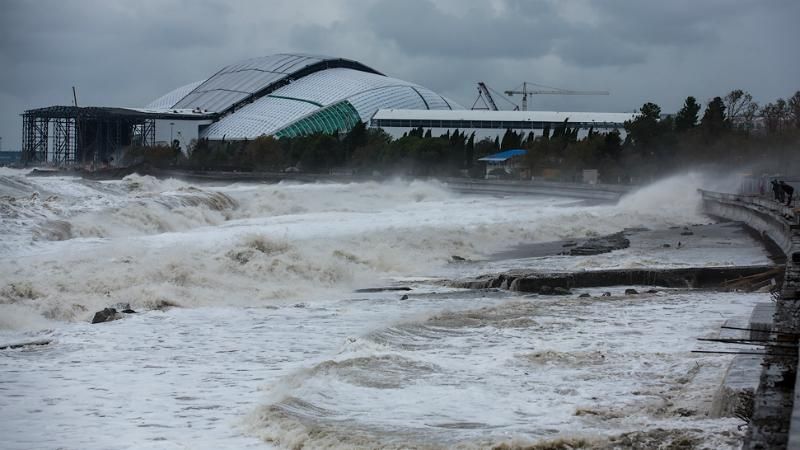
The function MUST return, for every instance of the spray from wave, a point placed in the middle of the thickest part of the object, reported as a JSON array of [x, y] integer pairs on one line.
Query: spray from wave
[[150, 243]]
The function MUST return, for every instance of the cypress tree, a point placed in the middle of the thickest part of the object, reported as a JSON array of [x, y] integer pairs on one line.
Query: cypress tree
[[687, 116]]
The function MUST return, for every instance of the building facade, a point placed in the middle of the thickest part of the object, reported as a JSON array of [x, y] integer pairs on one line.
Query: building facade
[[494, 123]]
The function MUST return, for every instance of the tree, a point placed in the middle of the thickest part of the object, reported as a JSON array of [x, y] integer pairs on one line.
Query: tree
[[736, 103], [510, 140], [469, 151], [644, 129], [775, 115], [714, 120], [612, 145], [374, 151], [794, 109], [485, 146], [264, 152], [356, 137], [686, 118]]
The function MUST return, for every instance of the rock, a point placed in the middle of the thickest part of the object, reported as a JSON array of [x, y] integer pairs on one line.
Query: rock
[[24, 344], [404, 297], [584, 295], [652, 291], [606, 294], [666, 246], [598, 245], [561, 291], [124, 308], [630, 291], [687, 233], [546, 290], [384, 289], [457, 258], [106, 315]]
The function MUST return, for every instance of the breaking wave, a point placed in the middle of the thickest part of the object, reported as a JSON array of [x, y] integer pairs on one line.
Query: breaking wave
[[149, 242]]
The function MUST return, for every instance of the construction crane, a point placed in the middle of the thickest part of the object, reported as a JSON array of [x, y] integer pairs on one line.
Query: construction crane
[[485, 94], [483, 91], [525, 92]]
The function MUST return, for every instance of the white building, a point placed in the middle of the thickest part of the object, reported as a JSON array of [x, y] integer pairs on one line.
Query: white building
[[494, 123]]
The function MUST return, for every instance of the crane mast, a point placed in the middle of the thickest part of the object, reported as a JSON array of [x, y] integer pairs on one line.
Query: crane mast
[[550, 91], [484, 91]]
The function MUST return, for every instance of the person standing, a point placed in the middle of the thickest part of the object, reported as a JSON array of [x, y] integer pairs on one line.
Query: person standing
[[789, 190], [777, 190]]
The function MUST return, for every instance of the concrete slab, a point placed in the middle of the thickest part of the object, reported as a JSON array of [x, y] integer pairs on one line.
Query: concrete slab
[[761, 321]]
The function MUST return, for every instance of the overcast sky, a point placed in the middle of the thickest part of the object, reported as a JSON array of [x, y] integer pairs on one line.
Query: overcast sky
[[127, 53]]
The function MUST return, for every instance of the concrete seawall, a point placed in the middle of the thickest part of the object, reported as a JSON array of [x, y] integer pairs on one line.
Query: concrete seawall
[[775, 422]]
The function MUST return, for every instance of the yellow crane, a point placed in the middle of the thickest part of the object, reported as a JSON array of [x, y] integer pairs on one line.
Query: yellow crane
[[525, 92]]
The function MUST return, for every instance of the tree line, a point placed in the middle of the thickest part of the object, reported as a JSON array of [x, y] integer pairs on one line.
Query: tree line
[[732, 130]]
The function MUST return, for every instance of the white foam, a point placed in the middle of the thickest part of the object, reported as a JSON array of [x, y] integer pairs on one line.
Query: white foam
[[265, 280]]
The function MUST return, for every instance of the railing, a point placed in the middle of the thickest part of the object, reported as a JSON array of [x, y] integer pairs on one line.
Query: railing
[[762, 202]]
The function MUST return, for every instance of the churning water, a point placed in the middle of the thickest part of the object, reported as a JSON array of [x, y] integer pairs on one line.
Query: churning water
[[249, 333]]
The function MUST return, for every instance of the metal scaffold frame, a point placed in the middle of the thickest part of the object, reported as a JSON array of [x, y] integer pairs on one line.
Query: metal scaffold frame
[[64, 140], [69, 135]]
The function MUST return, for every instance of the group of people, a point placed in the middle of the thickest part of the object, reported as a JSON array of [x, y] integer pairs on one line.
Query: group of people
[[783, 192]]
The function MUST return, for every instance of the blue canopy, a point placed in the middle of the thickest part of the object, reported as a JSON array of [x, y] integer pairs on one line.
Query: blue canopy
[[504, 155]]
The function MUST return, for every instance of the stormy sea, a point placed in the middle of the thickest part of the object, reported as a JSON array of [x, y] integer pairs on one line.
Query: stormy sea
[[322, 316]]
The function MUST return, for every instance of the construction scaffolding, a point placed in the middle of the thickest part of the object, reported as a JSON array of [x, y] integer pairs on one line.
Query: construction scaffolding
[[69, 135]]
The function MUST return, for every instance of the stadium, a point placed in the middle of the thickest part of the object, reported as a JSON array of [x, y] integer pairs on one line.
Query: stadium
[[288, 95], [282, 95]]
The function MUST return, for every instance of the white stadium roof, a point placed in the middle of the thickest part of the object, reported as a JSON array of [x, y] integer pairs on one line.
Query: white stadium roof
[[291, 94]]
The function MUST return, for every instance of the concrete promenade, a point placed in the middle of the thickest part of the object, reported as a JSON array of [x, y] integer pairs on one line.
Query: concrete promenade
[[775, 421]]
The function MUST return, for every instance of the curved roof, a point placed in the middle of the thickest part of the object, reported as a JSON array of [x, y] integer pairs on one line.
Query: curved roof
[[365, 93], [256, 77], [169, 99], [291, 94]]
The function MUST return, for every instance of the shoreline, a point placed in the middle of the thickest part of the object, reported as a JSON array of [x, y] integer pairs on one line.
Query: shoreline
[[599, 193]]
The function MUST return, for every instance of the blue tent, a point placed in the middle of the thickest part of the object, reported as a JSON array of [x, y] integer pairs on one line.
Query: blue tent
[[504, 155]]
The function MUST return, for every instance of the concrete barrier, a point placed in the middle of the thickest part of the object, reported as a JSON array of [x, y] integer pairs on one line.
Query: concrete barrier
[[775, 422]]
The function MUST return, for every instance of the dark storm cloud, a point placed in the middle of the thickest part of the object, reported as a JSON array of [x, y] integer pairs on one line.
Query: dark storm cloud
[[420, 27], [128, 53]]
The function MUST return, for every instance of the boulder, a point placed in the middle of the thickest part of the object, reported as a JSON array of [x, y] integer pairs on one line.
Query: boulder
[[606, 294], [404, 297], [106, 315], [652, 291], [561, 291], [546, 290], [598, 245], [457, 258], [584, 295], [631, 291], [124, 308]]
